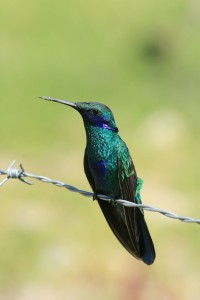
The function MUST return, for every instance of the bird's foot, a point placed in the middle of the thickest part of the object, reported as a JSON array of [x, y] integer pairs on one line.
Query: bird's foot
[[112, 202], [95, 197]]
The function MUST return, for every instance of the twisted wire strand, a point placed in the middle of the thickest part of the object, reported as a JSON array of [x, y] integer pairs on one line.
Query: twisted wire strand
[[21, 175]]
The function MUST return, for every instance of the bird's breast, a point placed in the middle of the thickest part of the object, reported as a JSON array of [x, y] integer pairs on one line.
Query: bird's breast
[[102, 155], [105, 175], [99, 167]]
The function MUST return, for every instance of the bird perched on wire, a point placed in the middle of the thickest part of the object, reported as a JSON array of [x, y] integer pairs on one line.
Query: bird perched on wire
[[110, 171]]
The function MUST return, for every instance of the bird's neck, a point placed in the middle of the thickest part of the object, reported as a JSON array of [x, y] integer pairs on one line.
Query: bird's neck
[[100, 138]]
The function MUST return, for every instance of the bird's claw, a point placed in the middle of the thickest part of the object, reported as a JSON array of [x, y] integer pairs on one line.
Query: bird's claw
[[94, 197], [112, 202]]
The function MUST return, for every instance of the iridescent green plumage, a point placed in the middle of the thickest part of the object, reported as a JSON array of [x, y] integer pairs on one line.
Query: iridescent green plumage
[[110, 171]]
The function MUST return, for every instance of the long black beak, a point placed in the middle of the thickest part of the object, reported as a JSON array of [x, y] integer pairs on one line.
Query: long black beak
[[69, 103]]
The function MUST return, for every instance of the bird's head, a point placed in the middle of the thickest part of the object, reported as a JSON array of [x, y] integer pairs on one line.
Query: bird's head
[[93, 113], [96, 114]]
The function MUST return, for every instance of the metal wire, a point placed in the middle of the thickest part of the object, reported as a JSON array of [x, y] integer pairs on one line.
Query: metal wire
[[21, 174]]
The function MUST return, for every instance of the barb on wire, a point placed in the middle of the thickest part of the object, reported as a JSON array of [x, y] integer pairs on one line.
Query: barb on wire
[[21, 174], [13, 173]]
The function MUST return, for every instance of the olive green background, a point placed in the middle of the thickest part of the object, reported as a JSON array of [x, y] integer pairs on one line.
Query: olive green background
[[142, 59]]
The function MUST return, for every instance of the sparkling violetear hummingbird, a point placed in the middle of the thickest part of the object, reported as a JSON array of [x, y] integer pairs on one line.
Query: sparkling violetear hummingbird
[[110, 171]]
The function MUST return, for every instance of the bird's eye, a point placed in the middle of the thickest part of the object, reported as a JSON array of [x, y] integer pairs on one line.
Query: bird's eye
[[94, 111]]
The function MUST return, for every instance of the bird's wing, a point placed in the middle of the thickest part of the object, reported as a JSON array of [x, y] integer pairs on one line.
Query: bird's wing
[[142, 245], [127, 179]]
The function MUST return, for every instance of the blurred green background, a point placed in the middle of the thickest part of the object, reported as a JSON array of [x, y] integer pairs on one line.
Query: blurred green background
[[142, 59]]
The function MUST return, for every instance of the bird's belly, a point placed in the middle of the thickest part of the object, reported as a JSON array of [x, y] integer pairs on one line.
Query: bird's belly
[[106, 177]]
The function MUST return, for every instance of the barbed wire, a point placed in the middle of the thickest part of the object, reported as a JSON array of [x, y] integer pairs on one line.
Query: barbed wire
[[12, 173]]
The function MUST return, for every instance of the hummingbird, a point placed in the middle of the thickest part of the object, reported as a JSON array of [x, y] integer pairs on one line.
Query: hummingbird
[[110, 171]]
